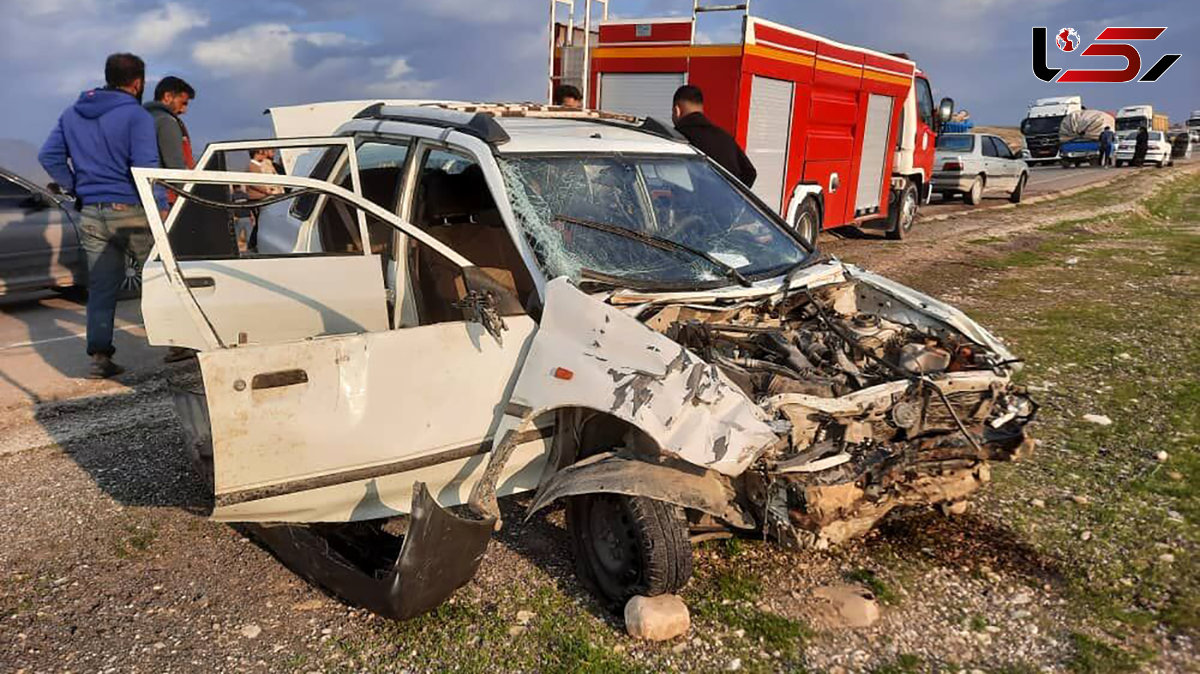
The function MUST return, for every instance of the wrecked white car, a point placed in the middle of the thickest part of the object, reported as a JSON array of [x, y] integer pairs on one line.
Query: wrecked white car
[[478, 302]]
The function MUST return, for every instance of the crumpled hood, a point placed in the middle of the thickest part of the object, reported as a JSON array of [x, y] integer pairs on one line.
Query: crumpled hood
[[96, 103]]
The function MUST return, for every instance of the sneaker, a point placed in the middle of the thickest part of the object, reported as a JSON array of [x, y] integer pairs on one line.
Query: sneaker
[[103, 367]]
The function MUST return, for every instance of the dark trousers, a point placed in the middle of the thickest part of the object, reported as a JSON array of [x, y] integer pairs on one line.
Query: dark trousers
[[110, 234]]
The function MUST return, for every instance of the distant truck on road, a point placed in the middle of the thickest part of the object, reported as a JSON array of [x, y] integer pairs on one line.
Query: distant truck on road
[[1193, 126], [1133, 117], [1079, 137], [1041, 124]]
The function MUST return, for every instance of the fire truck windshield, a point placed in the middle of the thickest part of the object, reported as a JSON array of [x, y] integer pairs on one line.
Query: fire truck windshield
[[571, 207]]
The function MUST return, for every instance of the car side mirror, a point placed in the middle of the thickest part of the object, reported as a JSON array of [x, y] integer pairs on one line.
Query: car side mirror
[[486, 300], [945, 110]]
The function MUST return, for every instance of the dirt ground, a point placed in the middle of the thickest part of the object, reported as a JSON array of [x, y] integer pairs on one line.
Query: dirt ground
[[1082, 559]]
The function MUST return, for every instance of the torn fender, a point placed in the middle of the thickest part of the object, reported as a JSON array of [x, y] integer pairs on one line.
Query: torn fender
[[608, 473], [441, 553], [589, 354]]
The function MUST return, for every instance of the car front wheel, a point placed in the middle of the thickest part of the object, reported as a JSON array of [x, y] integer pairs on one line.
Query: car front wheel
[[628, 545]]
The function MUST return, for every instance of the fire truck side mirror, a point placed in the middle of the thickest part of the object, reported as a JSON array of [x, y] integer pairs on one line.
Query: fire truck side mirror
[[945, 110]]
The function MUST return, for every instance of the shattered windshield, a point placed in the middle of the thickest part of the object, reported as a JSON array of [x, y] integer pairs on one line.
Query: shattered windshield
[[680, 199]]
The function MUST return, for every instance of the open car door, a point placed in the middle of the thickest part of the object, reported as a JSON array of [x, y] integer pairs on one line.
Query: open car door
[[339, 428], [252, 297]]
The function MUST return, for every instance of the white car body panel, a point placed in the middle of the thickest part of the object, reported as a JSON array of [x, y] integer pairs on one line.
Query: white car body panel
[[621, 367]]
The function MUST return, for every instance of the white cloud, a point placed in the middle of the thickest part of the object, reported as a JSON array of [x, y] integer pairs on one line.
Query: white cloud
[[156, 30], [260, 48], [477, 11], [393, 80]]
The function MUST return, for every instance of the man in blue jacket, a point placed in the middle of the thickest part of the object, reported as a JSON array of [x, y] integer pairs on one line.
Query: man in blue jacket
[[89, 154]]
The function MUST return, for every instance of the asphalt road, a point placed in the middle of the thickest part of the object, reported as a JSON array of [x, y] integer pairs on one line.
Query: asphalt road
[[42, 335], [1042, 179]]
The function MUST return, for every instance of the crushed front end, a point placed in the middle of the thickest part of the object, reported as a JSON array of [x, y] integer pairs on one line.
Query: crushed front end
[[886, 398]]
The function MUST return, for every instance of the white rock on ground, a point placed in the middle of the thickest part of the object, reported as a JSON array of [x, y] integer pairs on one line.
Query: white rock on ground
[[657, 618], [1098, 419], [847, 606]]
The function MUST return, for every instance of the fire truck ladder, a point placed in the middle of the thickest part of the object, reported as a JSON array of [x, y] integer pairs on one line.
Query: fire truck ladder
[[572, 46]]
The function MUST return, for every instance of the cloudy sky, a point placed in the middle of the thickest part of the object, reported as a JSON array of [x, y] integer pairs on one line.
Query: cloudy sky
[[245, 55]]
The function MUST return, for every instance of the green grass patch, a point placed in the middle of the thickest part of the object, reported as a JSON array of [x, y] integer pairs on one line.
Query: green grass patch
[[136, 539], [727, 598], [905, 663], [867, 578], [1092, 656]]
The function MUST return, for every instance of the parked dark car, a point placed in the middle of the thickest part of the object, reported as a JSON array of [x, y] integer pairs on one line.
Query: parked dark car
[[39, 241]]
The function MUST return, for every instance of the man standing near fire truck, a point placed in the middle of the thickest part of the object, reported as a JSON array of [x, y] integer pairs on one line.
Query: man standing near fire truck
[[687, 111]]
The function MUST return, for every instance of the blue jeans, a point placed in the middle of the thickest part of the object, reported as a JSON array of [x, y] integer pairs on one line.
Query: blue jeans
[[109, 233]]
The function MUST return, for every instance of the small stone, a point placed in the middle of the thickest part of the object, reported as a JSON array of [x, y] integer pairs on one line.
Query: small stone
[[1021, 615], [1021, 598], [1037, 503], [523, 617], [618, 648], [1098, 419], [739, 633], [1161, 456], [847, 606], [1124, 356], [1080, 499], [1174, 516], [734, 665], [679, 647], [1085, 536], [1072, 261], [956, 508], [251, 631], [1166, 557], [158, 645], [516, 630], [1175, 475], [657, 618], [327, 630]]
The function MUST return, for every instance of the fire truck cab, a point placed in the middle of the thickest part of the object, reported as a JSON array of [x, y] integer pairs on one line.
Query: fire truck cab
[[840, 135]]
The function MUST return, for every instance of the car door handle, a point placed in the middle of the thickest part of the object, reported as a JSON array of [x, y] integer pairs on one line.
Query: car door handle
[[200, 282], [278, 379]]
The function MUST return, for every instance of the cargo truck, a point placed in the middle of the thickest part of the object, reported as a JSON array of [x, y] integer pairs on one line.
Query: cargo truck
[[1134, 117], [1041, 124]]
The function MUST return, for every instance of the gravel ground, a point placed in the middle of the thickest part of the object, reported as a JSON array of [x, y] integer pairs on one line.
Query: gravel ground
[[108, 564]]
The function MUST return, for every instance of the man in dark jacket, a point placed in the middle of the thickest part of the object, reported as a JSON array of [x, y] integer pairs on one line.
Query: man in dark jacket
[[1140, 146], [687, 111], [1106, 144], [89, 153], [171, 99]]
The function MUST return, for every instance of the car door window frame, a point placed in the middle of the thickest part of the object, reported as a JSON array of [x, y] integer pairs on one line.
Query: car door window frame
[[349, 154], [1002, 149], [145, 177], [989, 148]]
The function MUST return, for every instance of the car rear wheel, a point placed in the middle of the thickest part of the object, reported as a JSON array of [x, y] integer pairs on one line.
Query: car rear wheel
[[903, 212], [131, 285], [973, 196], [1016, 194], [628, 545]]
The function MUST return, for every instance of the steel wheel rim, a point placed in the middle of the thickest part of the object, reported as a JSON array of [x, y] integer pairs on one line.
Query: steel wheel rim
[[133, 275], [614, 544], [908, 210]]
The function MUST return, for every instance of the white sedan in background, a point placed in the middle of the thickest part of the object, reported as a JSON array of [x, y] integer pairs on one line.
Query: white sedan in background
[[1158, 151], [975, 164]]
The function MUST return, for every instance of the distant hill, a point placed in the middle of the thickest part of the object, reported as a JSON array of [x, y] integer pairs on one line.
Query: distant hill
[[20, 157]]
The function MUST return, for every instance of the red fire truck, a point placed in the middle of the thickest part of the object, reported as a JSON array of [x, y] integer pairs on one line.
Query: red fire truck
[[840, 135]]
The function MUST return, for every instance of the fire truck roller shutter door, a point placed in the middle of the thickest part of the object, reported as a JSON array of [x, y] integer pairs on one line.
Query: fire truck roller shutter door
[[874, 154], [640, 94], [767, 136]]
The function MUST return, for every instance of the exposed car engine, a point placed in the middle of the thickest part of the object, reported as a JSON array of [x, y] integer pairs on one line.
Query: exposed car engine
[[881, 409]]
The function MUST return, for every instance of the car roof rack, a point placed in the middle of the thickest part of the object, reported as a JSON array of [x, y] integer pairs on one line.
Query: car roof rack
[[479, 119]]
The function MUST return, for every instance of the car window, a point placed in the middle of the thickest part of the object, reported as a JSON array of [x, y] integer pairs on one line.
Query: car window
[[924, 101], [989, 147], [455, 205], [12, 192], [381, 172], [956, 142], [1002, 148]]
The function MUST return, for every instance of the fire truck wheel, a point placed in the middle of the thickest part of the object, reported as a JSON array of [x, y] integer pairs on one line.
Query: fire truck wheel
[[808, 221], [903, 212], [973, 195], [629, 545]]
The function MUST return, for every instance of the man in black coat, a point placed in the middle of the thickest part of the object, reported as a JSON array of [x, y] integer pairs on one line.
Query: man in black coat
[[687, 112], [1140, 146]]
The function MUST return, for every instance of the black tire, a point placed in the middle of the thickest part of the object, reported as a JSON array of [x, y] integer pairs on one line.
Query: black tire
[[808, 222], [1019, 191], [628, 545], [1066, 164], [973, 196], [902, 212]]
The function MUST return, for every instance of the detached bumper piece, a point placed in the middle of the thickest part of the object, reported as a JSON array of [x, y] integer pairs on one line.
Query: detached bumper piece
[[439, 554]]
